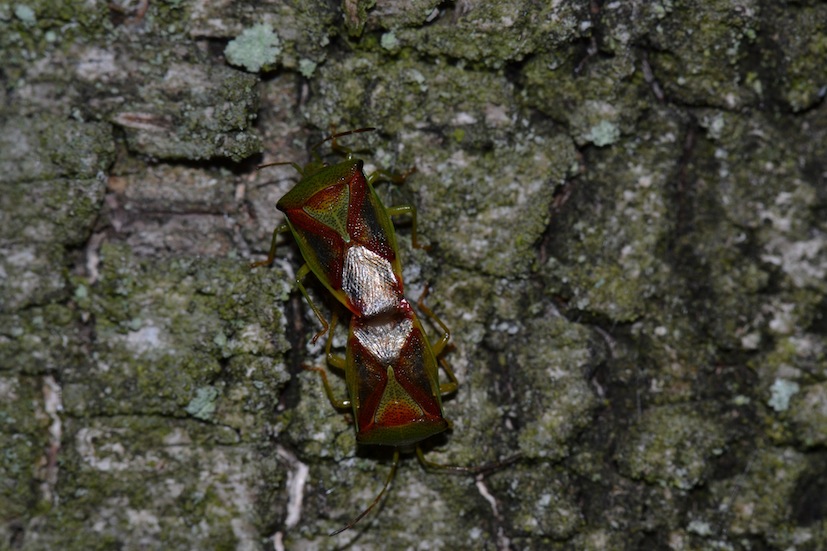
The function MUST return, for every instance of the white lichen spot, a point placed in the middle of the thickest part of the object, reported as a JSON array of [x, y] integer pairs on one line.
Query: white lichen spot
[[97, 64], [144, 520], [783, 321], [96, 451], [462, 118], [496, 115], [699, 527], [782, 391], [145, 339], [716, 126], [307, 67], [203, 405], [751, 341], [389, 41], [603, 133], [177, 437], [255, 48], [25, 14]]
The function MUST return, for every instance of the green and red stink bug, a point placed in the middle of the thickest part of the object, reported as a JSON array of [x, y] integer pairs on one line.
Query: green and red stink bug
[[342, 229], [391, 370], [392, 377]]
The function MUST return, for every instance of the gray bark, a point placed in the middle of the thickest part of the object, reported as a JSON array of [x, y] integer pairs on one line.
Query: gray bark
[[625, 202]]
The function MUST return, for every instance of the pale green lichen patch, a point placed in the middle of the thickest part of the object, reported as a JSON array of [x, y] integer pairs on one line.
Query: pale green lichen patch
[[304, 29], [493, 33], [761, 500], [703, 62], [208, 476], [156, 327], [202, 406], [555, 396], [254, 49], [672, 445], [781, 392], [24, 440], [610, 268], [544, 506], [808, 413], [25, 14], [307, 67], [389, 41], [193, 112], [603, 133]]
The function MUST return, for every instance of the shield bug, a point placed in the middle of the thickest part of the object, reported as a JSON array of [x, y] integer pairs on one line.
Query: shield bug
[[343, 231], [392, 378], [348, 241]]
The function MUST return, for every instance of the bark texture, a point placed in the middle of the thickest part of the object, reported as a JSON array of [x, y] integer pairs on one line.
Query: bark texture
[[626, 205]]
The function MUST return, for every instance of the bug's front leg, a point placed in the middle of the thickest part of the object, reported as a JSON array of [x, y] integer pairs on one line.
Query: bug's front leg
[[272, 255], [335, 361]]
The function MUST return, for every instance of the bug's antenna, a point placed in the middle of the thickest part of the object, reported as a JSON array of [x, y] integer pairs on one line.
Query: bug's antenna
[[341, 134], [332, 137], [353, 522]]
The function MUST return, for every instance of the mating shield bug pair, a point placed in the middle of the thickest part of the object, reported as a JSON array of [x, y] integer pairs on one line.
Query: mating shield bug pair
[[347, 239]]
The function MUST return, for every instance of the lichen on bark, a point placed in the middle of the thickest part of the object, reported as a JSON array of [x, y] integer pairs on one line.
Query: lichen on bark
[[624, 202]]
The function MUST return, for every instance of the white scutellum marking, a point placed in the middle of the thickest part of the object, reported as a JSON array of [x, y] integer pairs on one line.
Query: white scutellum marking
[[384, 339], [368, 281]]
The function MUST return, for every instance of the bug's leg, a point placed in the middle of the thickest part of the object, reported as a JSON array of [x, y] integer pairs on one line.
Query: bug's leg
[[441, 344], [396, 179], [272, 255], [399, 179], [300, 275], [337, 403], [334, 360], [392, 177], [377, 498], [448, 388], [408, 209]]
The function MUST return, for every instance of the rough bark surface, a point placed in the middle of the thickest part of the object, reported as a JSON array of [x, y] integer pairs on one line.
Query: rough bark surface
[[626, 205]]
